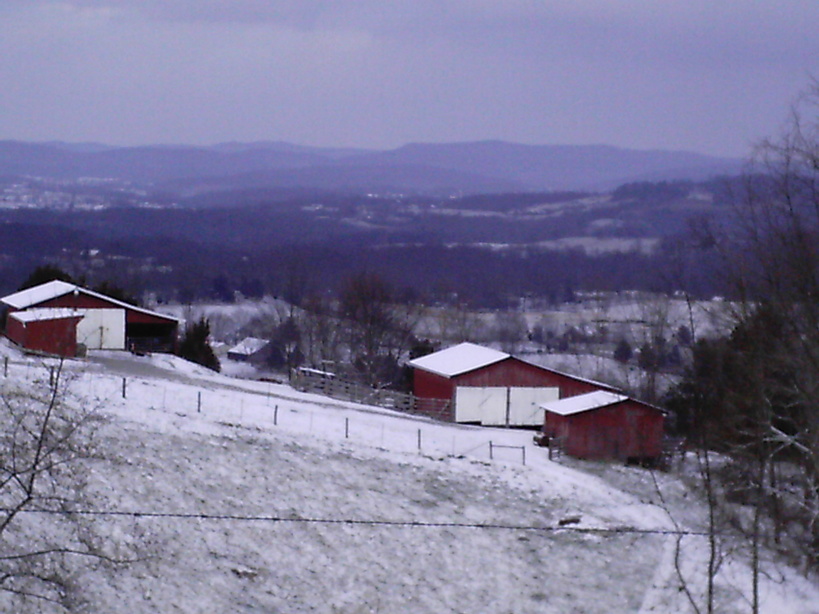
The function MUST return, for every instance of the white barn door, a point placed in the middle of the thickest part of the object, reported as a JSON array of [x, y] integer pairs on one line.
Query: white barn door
[[480, 405], [102, 329], [494, 405], [524, 405]]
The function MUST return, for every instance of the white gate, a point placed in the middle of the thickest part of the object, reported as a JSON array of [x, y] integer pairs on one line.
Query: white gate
[[502, 406]]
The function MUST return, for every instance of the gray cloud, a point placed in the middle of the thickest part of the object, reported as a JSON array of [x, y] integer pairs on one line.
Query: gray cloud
[[697, 75]]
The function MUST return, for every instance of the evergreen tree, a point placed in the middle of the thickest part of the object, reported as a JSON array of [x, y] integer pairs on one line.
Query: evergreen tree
[[623, 351], [195, 345], [45, 273]]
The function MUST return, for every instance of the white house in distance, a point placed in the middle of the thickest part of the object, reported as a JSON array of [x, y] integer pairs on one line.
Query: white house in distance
[[248, 349]]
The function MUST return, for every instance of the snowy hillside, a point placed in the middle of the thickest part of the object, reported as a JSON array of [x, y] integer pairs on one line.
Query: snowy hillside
[[246, 496]]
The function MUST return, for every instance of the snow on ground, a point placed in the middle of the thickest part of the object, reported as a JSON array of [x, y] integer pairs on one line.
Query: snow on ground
[[254, 497]]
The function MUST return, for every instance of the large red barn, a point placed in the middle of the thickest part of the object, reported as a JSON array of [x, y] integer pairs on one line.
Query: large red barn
[[60, 318], [486, 386], [604, 425]]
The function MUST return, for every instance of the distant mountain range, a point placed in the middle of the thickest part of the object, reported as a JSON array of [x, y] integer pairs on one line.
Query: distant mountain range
[[451, 168]]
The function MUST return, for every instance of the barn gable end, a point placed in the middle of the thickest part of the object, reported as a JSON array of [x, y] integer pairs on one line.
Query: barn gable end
[[468, 366]]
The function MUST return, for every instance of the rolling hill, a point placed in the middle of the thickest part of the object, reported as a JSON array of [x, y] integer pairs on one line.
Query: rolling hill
[[250, 496], [448, 168]]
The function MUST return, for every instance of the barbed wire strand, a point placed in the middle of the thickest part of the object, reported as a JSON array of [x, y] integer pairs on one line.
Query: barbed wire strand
[[362, 522]]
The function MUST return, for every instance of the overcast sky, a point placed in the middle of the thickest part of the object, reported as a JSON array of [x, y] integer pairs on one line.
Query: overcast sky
[[713, 76]]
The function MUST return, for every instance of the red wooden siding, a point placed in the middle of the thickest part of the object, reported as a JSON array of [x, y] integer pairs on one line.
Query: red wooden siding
[[428, 385], [57, 336], [84, 301], [628, 429]]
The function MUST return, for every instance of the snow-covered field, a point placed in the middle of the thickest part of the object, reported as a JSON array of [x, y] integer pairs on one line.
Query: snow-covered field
[[248, 496]]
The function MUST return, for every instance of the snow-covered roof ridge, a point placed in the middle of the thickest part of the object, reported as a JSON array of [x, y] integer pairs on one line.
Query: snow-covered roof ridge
[[249, 345], [38, 294], [583, 402], [459, 359], [47, 313], [56, 288]]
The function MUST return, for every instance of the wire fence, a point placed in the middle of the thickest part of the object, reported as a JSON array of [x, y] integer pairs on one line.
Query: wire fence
[[328, 384], [265, 407]]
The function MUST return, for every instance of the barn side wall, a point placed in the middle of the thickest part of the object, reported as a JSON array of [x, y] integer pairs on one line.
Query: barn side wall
[[625, 430], [143, 331], [16, 331], [426, 385], [56, 336], [83, 301], [513, 372], [508, 373]]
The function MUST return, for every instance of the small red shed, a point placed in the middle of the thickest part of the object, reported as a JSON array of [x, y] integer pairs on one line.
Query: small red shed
[[604, 424], [59, 317], [486, 386], [53, 331]]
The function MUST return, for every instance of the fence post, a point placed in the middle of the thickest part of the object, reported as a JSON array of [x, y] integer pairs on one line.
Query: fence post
[[199, 402], [6, 366], [346, 428], [276, 416], [419, 440], [523, 450], [491, 457]]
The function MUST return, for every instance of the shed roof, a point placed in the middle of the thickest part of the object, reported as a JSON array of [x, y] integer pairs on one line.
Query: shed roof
[[38, 294], [54, 289], [458, 359], [583, 402], [47, 313], [248, 346]]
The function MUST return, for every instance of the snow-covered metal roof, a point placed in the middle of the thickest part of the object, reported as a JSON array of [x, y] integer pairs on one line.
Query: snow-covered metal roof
[[583, 402], [47, 313], [38, 294], [458, 359], [54, 289], [248, 346]]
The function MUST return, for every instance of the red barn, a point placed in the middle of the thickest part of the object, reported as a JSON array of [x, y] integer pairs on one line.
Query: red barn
[[490, 387], [45, 330], [60, 318], [604, 424]]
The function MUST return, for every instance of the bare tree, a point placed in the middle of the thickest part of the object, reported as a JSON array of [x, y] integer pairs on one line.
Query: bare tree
[[379, 330], [319, 333], [44, 441], [753, 396], [780, 274], [457, 323], [510, 330]]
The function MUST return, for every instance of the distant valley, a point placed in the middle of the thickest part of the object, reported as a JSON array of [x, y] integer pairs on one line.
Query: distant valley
[[247, 218]]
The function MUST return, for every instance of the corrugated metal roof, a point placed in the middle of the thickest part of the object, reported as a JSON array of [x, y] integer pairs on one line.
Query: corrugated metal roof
[[458, 359], [583, 402]]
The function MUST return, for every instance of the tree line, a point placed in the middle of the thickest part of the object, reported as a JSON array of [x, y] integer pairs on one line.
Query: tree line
[[749, 401]]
